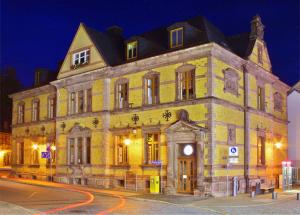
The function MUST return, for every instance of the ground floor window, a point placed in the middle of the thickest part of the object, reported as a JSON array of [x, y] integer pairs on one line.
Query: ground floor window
[[261, 151], [121, 157], [79, 150], [152, 147], [20, 153]]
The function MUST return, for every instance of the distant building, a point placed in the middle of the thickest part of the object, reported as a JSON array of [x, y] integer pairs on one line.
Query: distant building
[[168, 102], [8, 84], [294, 125]]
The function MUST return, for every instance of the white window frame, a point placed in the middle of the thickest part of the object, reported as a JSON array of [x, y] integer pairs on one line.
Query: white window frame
[[77, 57]]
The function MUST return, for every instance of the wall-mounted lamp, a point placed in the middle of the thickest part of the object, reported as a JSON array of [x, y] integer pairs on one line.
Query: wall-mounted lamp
[[278, 145], [53, 148], [35, 146], [127, 141]]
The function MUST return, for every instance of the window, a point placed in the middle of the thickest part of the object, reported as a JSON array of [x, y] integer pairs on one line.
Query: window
[[89, 100], [21, 111], [35, 110], [20, 153], [80, 58], [151, 94], [152, 144], [51, 107], [176, 37], [261, 151], [278, 101], [186, 85], [259, 54], [231, 83], [121, 150], [132, 50], [79, 150], [35, 157], [261, 98], [122, 94], [80, 101]]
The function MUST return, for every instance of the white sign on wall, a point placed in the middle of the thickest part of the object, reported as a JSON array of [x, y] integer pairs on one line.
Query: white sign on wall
[[233, 151]]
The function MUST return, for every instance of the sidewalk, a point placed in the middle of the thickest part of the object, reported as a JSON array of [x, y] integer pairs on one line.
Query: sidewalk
[[7, 208]]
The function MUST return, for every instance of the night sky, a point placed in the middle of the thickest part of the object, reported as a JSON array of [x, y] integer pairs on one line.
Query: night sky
[[38, 33]]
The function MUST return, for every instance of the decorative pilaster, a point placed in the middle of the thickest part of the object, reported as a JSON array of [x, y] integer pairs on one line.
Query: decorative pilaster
[[170, 189]]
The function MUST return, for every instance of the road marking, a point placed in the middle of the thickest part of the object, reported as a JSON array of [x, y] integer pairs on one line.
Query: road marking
[[31, 195]]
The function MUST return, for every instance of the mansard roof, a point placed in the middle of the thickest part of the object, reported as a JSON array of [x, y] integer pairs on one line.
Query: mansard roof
[[197, 31]]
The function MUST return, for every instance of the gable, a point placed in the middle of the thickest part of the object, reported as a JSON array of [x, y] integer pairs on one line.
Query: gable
[[260, 49], [82, 41]]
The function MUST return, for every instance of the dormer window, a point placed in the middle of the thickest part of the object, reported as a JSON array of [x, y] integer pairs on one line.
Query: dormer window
[[176, 37], [80, 58], [131, 50]]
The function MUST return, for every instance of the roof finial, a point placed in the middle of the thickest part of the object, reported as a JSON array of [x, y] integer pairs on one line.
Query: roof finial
[[257, 28]]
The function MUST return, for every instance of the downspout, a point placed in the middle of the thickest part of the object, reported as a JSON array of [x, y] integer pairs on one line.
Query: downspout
[[246, 127]]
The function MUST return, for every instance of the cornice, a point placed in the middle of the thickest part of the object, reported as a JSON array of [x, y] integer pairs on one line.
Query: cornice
[[33, 92]]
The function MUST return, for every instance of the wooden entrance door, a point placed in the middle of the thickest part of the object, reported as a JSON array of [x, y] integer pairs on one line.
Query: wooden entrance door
[[186, 175]]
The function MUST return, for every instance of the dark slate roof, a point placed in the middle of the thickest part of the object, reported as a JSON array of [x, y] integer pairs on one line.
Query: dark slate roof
[[197, 31]]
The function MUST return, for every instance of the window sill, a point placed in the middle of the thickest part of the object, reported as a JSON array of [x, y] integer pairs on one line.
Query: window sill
[[34, 166], [120, 166]]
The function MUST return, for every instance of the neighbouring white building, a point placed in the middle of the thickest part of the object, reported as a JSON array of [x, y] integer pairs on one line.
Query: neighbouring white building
[[294, 125]]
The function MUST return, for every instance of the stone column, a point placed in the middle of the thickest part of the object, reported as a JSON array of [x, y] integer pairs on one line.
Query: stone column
[[200, 165], [170, 189]]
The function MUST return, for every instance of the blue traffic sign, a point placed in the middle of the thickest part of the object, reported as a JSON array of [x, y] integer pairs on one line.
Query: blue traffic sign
[[46, 155], [233, 150]]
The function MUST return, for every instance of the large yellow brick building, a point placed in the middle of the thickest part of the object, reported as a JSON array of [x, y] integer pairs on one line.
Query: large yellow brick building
[[169, 102]]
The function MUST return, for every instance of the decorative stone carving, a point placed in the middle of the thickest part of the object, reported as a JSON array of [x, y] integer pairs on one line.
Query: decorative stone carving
[[231, 139], [278, 101], [257, 28], [183, 115], [231, 81]]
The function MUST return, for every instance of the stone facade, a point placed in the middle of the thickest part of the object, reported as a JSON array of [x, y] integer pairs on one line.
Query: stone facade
[[194, 122]]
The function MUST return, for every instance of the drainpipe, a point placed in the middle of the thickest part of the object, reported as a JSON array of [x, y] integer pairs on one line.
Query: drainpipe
[[246, 127]]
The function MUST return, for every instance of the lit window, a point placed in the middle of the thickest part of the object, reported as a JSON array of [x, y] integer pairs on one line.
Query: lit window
[[176, 37], [79, 150], [261, 151], [122, 95], [121, 150], [51, 108], [152, 144], [35, 157], [35, 110], [261, 98], [151, 89], [132, 50], [20, 153], [186, 85], [80, 58], [21, 111]]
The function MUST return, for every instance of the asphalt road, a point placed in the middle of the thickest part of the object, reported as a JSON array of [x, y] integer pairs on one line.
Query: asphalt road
[[48, 200]]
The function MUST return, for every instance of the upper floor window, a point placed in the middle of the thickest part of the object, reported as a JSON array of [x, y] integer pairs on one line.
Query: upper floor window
[[121, 150], [261, 150], [278, 101], [231, 81], [186, 84], [152, 147], [80, 101], [260, 98], [176, 37], [51, 107], [35, 110], [132, 50], [21, 112], [151, 89], [122, 88], [80, 58]]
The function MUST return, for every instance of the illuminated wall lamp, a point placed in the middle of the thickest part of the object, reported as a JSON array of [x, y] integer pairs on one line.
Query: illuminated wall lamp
[[35, 146], [127, 141], [278, 145], [53, 148]]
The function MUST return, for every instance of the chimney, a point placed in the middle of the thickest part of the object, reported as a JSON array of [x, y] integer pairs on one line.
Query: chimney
[[257, 28], [115, 31]]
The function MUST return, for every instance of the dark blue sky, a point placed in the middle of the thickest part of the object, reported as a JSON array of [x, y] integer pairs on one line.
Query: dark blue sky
[[37, 33]]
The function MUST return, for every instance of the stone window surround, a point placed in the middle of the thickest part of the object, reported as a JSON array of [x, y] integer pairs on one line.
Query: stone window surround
[[37, 117], [261, 133], [50, 97], [261, 83], [75, 89], [181, 69], [76, 132], [278, 101], [20, 155], [119, 132], [150, 74], [21, 114], [230, 75], [150, 130], [117, 83]]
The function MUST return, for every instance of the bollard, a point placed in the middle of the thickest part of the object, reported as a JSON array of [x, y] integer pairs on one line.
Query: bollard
[[252, 194], [298, 196], [274, 195]]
